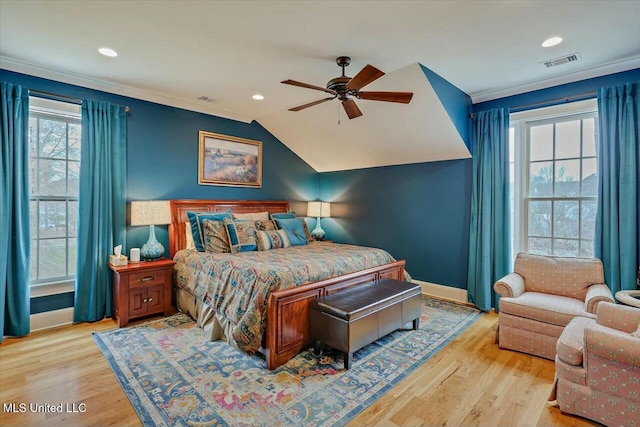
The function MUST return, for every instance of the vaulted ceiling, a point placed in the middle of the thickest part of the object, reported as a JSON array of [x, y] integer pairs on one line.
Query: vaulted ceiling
[[174, 52]]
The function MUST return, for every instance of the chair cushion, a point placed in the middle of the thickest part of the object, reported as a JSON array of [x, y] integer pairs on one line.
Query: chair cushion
[[571, 342], [554, 309], [569, 277]]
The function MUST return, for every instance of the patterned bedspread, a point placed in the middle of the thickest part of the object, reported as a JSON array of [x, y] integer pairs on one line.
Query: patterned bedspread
[[238, 285]]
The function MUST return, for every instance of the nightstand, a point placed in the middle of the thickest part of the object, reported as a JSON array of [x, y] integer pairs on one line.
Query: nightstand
[[141, 289]]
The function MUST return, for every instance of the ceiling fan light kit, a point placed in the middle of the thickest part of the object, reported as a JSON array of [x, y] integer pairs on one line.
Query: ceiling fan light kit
[[346, 89]]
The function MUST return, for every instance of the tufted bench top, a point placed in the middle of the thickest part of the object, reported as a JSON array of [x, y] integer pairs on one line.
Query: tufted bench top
[[359, 301]]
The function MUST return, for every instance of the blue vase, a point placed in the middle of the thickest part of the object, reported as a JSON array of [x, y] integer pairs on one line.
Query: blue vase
[[152, 249], [318, 232]]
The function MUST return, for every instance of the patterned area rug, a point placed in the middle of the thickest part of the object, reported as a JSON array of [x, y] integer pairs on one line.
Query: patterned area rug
[[174, 377]]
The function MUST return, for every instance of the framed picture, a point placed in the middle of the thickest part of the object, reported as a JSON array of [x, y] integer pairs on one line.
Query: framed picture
[[228, 160]]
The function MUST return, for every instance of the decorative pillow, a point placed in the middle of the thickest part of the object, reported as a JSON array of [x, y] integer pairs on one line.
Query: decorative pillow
[[291, 215], [253, 216], [215, 237], [295, 230], [189, 236], [266, 225], [272, 239], [241, 234], [307, 233], [636, 334], [195, 218], [283, 215]]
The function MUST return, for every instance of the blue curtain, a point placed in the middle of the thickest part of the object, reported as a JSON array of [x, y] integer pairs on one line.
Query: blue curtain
[[618, 217], [15, 249], [489, 244], [102, 206]]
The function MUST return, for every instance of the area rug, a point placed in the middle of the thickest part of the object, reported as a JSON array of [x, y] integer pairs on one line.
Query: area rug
[[173, 377]]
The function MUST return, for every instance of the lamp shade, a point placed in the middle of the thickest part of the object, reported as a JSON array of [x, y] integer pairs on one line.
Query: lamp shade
[[156, 212], [319, 209]]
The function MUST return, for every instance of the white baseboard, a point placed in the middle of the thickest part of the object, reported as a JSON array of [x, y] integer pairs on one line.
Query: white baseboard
[[442, 291], [51, 319]]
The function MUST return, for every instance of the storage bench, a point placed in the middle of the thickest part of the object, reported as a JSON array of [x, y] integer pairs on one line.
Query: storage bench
[[355, 317]]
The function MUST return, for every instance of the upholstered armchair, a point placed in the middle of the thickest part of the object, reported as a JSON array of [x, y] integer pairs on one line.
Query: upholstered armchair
[[542, 295], [598, 367]]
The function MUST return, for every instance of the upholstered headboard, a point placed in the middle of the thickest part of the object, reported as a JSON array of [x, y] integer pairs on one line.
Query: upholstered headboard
[[179, 209]]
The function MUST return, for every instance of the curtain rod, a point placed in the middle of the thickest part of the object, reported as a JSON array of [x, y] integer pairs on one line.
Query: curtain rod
[[553, 101], [64, 98]]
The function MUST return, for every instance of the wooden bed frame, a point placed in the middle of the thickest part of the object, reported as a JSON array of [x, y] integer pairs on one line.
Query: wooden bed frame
[[287, 329]]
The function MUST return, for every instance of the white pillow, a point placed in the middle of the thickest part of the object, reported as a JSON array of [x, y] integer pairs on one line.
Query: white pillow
[[253, 216], [189, 235]]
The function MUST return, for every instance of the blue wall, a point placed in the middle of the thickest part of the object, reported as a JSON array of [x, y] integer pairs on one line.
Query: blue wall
[[419, 212], [162, 156], [456, 103]]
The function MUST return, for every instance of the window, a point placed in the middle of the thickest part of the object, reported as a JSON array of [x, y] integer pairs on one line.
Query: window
[[54, 165], [554, 180]]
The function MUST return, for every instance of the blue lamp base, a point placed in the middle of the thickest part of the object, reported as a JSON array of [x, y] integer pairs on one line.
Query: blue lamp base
[[318, 232], [152, 249]]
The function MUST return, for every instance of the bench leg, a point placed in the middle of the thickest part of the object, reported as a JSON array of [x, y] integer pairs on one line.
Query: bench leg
[[416, 324], [348, 358], [316, 347]]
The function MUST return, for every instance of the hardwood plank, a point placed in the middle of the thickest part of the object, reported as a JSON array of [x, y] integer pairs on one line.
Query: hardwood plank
[[471, 382]]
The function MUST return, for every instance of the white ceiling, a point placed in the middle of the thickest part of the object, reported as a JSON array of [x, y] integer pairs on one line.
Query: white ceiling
[[173, 52], [386, 133]]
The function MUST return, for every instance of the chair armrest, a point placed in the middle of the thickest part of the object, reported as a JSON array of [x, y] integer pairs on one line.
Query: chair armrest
[[595, 295], [511, 285], [620, 317], [612, 345]]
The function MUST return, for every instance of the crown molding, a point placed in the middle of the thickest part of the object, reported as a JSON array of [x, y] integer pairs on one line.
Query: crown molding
[[569, 77], [106, 86]]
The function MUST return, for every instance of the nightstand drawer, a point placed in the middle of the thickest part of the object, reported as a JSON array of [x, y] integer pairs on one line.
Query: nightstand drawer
[[146, 278]]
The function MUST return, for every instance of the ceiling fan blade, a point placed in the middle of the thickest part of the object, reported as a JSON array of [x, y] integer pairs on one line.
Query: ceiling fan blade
[[368, 74], [351, 108], [308, 86], [401, 97], [311, 104]]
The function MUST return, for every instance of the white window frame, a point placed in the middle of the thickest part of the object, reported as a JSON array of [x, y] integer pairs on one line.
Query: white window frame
[[42, 107], [521, 122]]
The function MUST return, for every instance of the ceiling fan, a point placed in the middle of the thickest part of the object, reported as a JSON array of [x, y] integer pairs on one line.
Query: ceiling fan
[[346, 88]]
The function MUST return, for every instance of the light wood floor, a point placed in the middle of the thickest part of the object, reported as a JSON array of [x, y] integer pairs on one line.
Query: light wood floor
[[471, 382]]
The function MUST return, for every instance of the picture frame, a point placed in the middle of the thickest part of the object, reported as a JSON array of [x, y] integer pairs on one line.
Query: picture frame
[[229, 160]]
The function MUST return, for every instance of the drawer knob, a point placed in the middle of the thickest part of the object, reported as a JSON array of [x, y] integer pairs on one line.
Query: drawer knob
[[150, 299], [147, 279]]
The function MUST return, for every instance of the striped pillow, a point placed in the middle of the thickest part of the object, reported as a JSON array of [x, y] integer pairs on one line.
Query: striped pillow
[[272, 240]]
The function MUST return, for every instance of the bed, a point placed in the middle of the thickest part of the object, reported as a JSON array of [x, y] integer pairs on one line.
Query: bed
[[282, 327]]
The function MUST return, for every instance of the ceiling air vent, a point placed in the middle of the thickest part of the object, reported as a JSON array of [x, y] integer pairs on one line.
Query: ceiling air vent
[[562, 60], [206, 99]]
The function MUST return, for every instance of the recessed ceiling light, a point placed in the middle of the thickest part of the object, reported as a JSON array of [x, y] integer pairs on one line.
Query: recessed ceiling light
[[108, 52], [552, 41], [258, 97]]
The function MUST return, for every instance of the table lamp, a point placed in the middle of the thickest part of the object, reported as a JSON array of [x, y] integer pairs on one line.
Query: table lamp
[[151, 213], [318, 210]]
